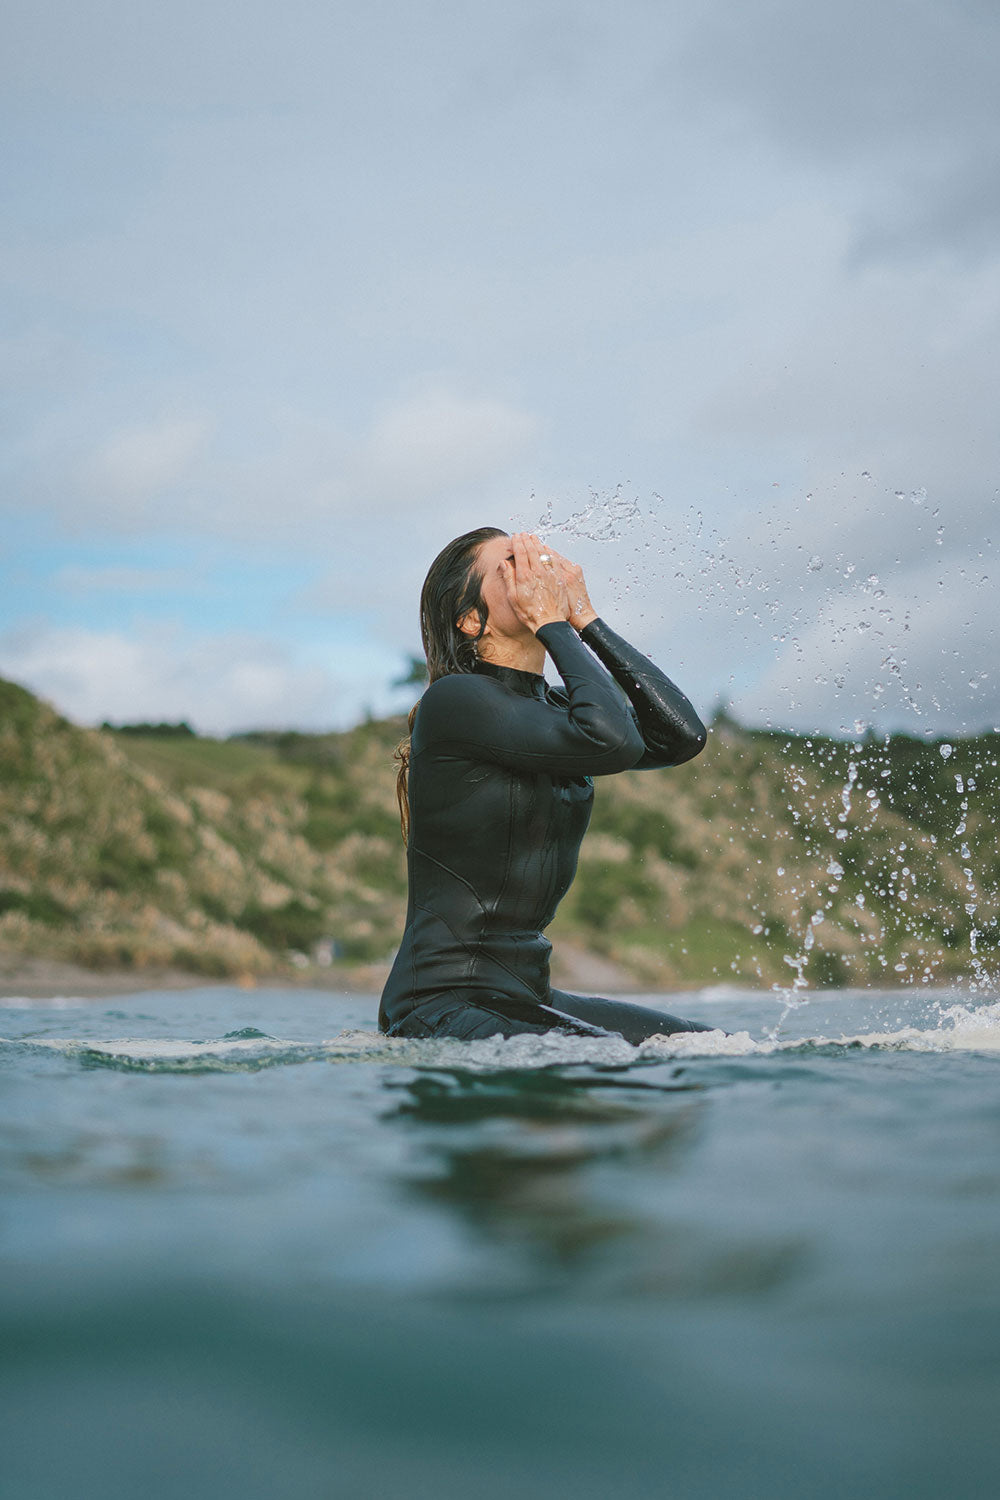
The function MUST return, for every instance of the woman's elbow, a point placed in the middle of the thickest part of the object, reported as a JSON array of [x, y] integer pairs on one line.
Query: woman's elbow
[[694, 741], [614, 745], [628, 752]]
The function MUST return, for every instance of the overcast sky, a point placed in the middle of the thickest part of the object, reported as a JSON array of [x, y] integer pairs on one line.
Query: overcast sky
[[293, 294]]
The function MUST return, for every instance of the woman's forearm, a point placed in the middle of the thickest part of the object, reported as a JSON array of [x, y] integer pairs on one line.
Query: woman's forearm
[[671, 729]]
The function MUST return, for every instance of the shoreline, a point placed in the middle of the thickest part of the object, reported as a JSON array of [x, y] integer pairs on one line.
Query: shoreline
[[32, 978], [50, 979], [38, 979]]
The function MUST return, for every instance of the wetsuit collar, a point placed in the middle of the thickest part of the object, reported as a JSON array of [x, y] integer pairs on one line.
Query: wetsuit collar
[[528, 684]]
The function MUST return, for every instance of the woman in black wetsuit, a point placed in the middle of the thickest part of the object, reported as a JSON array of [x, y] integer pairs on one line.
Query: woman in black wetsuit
[[495, 789]]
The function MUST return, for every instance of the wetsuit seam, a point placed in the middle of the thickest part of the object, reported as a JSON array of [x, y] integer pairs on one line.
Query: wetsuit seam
[[462, 942], [510, 829], [454, 875], [429, 911], [495, 960]]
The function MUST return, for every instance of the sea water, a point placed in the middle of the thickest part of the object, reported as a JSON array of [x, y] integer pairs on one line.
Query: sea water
[[249, 1247]]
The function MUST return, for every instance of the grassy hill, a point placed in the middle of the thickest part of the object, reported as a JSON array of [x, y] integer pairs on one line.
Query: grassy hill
[[770, 856]]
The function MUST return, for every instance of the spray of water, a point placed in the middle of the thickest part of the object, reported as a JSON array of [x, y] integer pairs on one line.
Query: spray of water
[[814, 617]]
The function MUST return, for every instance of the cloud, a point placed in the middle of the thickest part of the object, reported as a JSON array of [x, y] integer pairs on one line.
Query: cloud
[[892, 371], [895, 104], [437, 441], [295, 477], [219, 683], [331, 287], [138, 465]]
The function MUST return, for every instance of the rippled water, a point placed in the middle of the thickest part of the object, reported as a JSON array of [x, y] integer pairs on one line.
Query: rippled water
[[250, 1247]]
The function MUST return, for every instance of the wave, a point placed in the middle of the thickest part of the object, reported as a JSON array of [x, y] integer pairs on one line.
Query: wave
[[960, 1029]]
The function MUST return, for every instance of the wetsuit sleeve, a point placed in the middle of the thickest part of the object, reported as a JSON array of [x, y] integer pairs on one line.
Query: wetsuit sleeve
[[671, 730], [593, 734]]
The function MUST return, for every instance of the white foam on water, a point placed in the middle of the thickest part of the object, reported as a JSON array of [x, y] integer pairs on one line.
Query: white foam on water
[[961, 1029], [240, 1053], [177, 1055]]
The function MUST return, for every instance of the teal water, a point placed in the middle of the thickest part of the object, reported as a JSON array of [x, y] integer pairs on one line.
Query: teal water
[[248, 1247]]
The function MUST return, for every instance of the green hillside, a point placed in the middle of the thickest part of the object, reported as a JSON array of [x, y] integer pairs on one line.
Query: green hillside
[[770, 856]]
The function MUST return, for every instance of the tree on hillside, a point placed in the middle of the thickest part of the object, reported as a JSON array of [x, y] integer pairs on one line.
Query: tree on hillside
[[415, 676]]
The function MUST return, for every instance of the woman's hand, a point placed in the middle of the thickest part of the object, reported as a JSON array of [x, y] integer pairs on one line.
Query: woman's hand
[[581, 611], [537, 590]]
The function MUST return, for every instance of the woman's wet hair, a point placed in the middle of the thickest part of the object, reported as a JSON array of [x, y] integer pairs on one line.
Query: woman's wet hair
[[452, 589]]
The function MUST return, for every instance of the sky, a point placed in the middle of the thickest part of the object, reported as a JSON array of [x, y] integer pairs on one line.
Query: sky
[[708, 290]]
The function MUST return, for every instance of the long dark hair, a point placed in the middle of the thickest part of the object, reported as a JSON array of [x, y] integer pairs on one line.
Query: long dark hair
[[452, 588]]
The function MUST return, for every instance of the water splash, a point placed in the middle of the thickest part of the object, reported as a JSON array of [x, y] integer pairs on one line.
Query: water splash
[[961, 1028], [798, 594], [604, 518]]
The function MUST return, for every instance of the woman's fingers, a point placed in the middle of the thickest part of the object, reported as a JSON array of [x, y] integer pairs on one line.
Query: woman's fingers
[[560, 561], [572, 572], [532, 551], [581, 611], [522, 561], [528, 556], [539, 590]]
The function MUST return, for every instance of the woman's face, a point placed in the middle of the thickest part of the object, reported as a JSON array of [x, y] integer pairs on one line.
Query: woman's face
[[502, 622]]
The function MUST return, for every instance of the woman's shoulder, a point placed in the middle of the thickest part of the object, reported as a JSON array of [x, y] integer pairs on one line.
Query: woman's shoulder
[[447, 703], [458, 687]]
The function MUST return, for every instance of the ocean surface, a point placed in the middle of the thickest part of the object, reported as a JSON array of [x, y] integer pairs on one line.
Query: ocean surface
[[249, 1247]]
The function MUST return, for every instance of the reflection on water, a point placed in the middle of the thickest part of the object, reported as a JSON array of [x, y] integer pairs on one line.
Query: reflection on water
[[526, 1161], [510, 1156]]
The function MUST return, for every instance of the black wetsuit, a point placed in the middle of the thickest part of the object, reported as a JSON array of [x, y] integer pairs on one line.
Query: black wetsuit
[[500, 797]]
